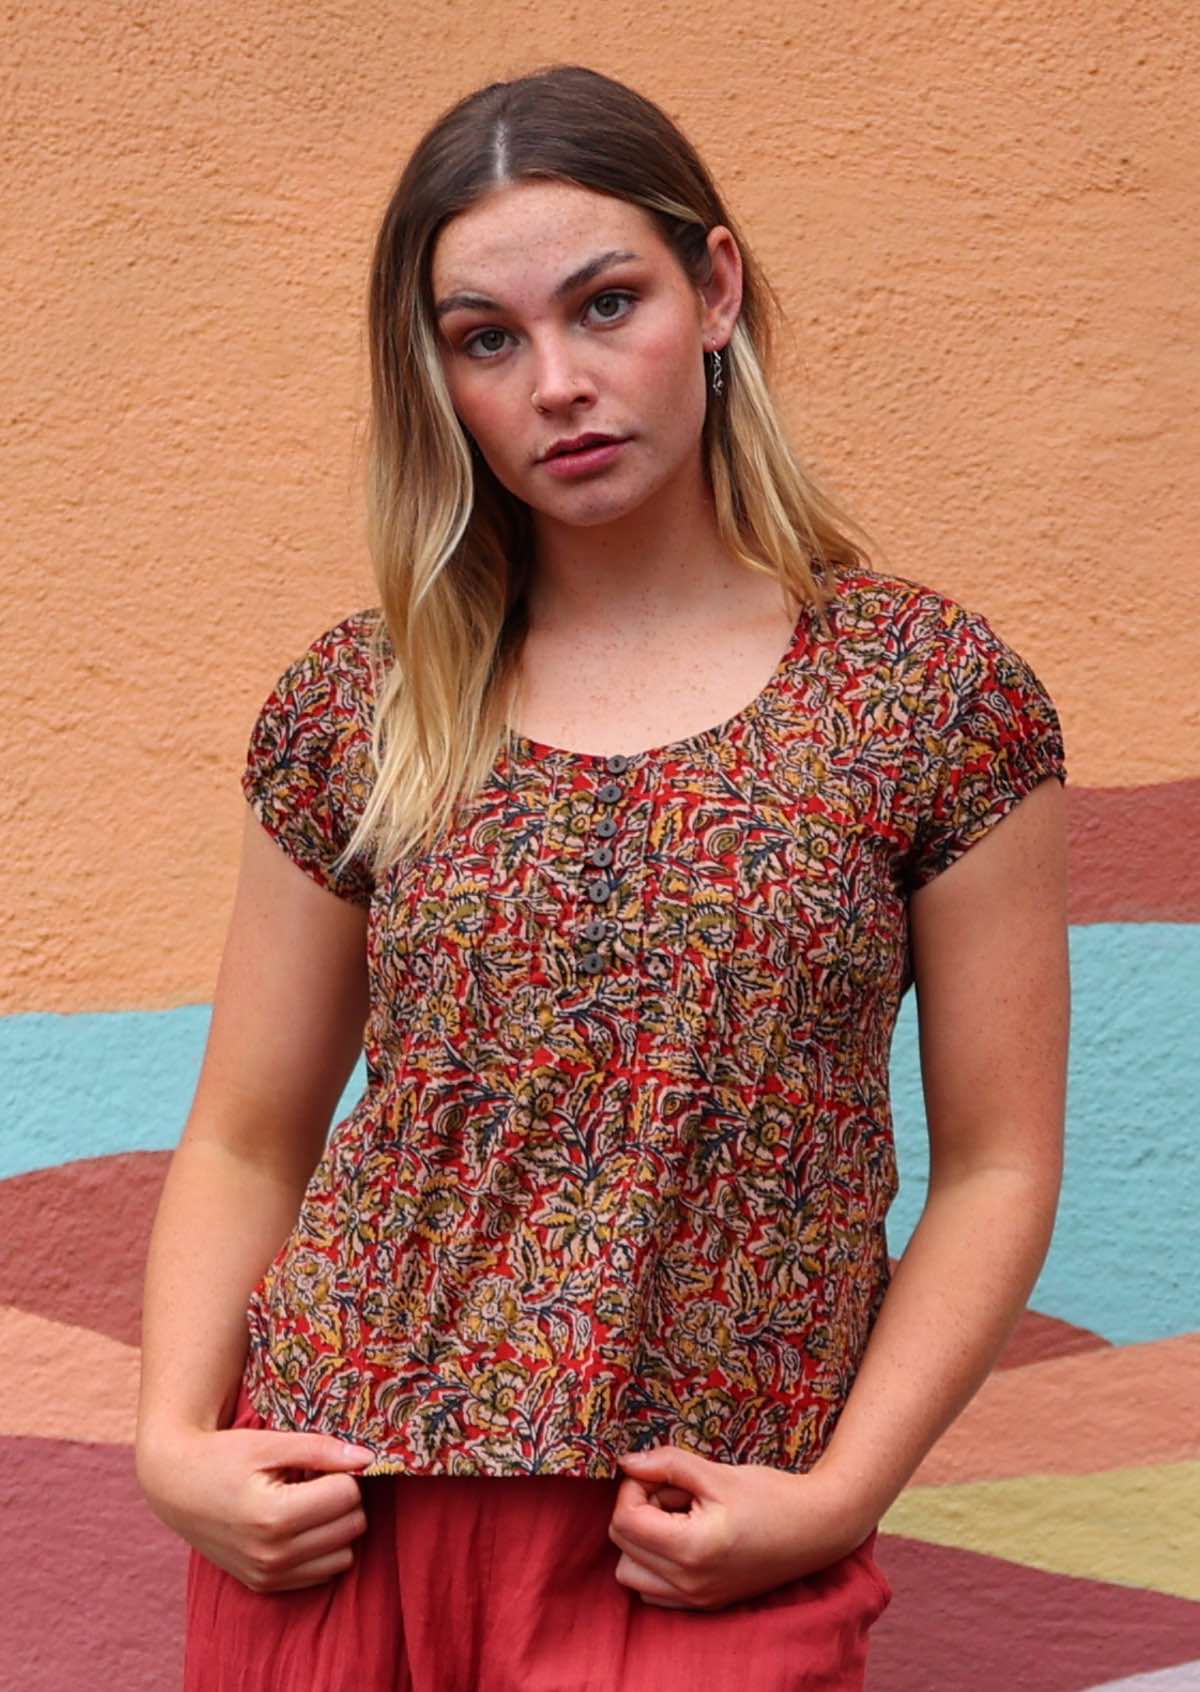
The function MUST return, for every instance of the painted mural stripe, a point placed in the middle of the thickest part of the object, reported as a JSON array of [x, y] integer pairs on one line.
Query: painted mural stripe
[[93, 1582], [1093, 1527], [1118, 1407], [1037, 1338], [1132, 857], [58, 1224], [95, 1084], [964, 1620], [64, 1382], [1184, 1677]]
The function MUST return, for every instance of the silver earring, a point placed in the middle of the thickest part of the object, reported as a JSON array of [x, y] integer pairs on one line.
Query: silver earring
[[718, 379]]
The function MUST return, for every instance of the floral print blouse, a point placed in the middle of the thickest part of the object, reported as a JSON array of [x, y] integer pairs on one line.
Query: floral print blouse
[[621, 1169]]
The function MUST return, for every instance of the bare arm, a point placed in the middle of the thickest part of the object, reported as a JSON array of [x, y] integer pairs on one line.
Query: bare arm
[[287, 1023], [990, 959]]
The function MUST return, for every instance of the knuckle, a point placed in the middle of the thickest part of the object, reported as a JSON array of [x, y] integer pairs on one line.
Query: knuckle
[[265, 1521], [266, 1562]]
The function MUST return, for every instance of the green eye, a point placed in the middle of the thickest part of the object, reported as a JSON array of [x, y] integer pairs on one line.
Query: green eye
[[610, 295], [474, 340]]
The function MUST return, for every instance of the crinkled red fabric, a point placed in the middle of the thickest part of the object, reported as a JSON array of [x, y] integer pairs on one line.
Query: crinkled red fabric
[[508, 1584]]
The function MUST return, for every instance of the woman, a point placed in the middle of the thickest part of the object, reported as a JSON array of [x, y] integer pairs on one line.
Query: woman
[[579, 1366]]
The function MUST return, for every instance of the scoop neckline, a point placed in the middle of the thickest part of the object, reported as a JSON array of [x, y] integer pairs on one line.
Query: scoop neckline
[[540, 751]]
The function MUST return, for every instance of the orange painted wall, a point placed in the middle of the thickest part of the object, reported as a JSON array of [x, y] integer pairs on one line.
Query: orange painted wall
[[977, 217]]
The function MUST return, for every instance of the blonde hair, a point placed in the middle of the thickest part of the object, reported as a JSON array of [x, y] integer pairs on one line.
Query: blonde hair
[[452, 548]]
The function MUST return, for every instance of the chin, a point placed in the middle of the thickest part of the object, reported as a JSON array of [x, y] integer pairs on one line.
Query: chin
[[588, 507], [590, 514]]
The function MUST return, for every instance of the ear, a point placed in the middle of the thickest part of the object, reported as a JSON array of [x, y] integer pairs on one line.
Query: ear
[[721, 295]]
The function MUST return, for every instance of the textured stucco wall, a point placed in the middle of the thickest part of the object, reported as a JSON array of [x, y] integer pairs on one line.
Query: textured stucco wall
[[980, 219]]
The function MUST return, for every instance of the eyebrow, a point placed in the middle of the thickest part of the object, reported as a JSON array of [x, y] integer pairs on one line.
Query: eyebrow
[[577, 278]]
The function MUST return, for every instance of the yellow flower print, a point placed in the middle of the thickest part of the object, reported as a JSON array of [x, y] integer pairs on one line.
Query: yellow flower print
[[712, 922], [576, 1219], [707, 1415], [794, 1255], [497, 1392], [441, 1210], [489, 1309], [442, 1015], [292, 1359], [704, 1333]]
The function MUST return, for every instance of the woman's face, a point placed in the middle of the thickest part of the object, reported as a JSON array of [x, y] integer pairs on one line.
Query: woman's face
[[562, 312]]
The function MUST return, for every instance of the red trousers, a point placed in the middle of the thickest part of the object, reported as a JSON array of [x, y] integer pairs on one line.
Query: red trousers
[[507, 1584]]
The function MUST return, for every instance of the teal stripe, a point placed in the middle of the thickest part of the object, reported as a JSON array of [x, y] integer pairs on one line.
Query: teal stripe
[[94, 1084], [1120, 1261]]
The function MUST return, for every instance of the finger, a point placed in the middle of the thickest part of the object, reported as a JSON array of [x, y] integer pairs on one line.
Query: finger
[[672, 1498], [274, 1450], [309, 1574], [650, 1586], [307, 1450], [642, 1527], [664, 1564], [672, 1465], [297, 1550], [286, 1559], [292, 1507]]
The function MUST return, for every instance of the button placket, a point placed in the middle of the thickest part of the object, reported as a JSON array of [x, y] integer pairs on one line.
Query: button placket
[[599, 889]]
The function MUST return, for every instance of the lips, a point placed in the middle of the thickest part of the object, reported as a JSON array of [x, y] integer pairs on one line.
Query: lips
[[580, 444]]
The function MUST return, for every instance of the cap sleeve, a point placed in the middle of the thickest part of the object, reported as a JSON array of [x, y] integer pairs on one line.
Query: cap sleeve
[[988, 733], [308, 762]]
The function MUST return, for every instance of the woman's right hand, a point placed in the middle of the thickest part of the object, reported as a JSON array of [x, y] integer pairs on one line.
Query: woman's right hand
[[276, 1510]]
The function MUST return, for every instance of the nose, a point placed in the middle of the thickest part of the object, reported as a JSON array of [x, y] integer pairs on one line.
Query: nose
[[558, 377]]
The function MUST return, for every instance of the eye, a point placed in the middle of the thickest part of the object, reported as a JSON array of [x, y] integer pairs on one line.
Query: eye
[[610, 294], [473, 341]]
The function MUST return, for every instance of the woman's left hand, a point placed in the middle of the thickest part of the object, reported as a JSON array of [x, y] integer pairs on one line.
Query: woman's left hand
[[697, 1535]]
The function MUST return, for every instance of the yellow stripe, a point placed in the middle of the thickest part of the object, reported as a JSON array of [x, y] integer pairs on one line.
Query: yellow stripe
[[1135, 1527]]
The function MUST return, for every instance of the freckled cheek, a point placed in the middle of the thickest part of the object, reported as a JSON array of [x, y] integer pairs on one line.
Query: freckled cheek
[[494, 420], [671, 353], [673, 384]]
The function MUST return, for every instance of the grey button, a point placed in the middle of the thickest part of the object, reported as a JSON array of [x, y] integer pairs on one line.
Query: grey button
[[610, 792], [592, 963], [616, 764], [596, 929], [598, 891], [601, 856], [606, 827]]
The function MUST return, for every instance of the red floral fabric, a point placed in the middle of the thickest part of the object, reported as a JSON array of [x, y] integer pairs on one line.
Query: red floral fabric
[[584, 1206]]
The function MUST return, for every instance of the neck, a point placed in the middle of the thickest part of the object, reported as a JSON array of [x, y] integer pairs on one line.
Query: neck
[[663, 560]]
